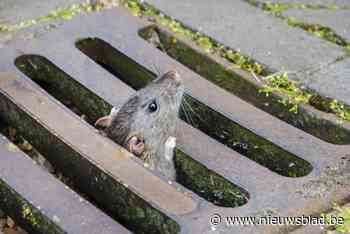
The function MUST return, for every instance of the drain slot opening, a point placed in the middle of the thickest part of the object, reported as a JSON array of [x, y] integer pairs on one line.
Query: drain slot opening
[[60, 85], [240, 83], [205, 119]]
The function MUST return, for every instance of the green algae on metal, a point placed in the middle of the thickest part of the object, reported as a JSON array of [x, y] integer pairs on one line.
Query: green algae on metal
[[53, 79], [211, 186], [244, 141], [341, 110]]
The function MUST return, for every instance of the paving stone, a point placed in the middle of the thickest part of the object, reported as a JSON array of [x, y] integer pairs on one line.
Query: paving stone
[[265, 38], [15, 11], [313, 2], [334, 19], [334, 78]]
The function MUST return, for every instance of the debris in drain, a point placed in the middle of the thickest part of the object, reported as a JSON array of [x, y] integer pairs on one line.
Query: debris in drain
[[12, 148], [8, 226]]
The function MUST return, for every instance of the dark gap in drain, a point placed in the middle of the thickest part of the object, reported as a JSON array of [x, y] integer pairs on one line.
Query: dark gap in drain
[[237, 82], [206, 119], [106, 192], [65, 89]]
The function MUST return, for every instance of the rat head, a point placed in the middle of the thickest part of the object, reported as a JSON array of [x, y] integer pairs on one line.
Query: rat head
[[151, 113]]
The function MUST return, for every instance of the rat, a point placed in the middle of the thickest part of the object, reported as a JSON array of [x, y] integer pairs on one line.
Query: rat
[[145, 124]]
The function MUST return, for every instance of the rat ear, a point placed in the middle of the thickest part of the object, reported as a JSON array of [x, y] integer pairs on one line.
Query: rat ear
[[104, 122]]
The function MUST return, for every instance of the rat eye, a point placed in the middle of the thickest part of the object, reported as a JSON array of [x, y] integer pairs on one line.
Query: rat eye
[[152, 107]]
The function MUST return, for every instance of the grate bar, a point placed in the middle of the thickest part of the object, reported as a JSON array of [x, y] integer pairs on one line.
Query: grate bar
[[22, 180]]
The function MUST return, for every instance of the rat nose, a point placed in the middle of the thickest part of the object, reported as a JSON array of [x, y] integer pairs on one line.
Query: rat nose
[[175, 76]]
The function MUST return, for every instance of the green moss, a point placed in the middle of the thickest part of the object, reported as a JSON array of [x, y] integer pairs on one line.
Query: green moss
[[342, 213], [59, 14], [206, 43], [207, 183], [326, 33], [243, 140], [280, 83], [345, 214], [24, 213], [278, 8], [61, 86], [342, 111], [295, 96], [27, 213], [323, 32]]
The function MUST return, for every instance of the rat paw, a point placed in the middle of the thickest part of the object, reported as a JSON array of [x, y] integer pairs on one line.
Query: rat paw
[[136, 145]]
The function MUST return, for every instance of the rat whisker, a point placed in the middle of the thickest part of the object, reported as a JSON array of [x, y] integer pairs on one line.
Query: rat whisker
[[188, 116], [191, 109], [187, 119], [156, 69]]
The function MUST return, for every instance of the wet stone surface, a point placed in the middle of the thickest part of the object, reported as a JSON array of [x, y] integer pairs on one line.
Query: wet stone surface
[[334, 77]]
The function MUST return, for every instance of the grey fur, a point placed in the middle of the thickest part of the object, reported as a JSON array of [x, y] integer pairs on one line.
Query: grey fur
[[134, 118]]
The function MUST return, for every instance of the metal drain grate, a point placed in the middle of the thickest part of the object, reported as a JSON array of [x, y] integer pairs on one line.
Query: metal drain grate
[[119, 184]]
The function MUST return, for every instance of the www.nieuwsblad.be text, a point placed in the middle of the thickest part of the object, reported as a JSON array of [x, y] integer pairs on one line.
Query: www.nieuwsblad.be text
[[217, 219]]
